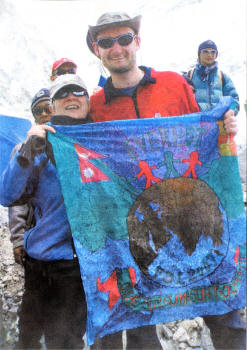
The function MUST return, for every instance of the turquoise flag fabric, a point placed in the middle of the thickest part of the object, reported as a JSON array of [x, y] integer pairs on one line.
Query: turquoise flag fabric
[[157, 215], [12, 131]]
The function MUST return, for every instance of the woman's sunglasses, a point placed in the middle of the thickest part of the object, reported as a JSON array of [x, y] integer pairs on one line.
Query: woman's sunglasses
[[206, 51], [76, 91], [123, 40]]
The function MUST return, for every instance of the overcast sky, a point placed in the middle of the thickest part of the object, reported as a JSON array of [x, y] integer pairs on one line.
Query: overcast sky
[[39, 31]]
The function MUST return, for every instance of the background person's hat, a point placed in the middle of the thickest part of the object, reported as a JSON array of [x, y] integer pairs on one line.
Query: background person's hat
[[61, 61], [66, 80], [112, 19], [208, 44], [41, 95]]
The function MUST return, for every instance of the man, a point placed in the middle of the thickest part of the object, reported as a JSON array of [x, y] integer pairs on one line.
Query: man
[[134, 92], [56, 283], [62, 66], [41, 107], [21, 216], [209, 83]]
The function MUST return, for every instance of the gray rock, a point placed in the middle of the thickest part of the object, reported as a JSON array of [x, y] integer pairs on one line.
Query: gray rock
[[167, 332], [206, 341], [181, 335], [194, 342], [189, 325], [200, 322]]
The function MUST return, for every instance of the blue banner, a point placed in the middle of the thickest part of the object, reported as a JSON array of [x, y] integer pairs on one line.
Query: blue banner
[[157, 215], [12, 131]]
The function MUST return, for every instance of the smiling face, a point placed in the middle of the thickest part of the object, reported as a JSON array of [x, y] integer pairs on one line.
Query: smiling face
[[117, 59], [76, 107], [43, 112]]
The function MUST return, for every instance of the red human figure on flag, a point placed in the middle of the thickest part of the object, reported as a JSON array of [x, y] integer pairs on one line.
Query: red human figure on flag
[[146, 171], [193, 160], [111, 286]]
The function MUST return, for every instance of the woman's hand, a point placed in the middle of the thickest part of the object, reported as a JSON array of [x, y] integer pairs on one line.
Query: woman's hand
[[230, 122], [40, 130]]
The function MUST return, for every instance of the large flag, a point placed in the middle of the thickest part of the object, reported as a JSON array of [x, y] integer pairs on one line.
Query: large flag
[[12, 131], [157, 215]]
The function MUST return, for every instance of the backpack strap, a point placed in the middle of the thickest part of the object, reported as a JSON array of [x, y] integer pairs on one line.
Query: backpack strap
[[222, 78], [190, 73], [30, 222], [220, 75]]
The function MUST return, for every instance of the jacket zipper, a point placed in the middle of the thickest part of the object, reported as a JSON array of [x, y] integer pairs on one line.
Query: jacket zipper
[[209, 94], [134, 98]]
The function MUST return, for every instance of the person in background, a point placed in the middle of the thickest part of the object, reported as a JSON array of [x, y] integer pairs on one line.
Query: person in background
[[55, 295], [21, 218], [209, 82], [63, 66], [133, 92]]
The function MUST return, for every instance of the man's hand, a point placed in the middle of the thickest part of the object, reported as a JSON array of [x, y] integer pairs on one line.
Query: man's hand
[[230, 122], [19, 255], [40, 130]]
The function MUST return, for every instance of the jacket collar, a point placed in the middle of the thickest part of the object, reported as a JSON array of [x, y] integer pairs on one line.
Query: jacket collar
[[66, 120], [111, 91], [205, 70]]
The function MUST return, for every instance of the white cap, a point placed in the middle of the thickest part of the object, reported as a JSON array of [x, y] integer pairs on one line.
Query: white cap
[[66, 80]]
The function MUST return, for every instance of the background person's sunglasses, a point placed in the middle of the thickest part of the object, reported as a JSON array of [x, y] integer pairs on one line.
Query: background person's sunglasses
[[76, 91], [65, 71], [123, 40], [39, 110], [213, 52]]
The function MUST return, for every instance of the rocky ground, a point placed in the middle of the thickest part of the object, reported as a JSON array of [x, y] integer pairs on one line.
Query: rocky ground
[[11, 286], [184, 335]]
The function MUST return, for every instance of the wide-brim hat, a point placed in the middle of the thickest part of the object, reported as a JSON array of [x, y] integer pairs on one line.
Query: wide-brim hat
[[66, 80], [112, 19]]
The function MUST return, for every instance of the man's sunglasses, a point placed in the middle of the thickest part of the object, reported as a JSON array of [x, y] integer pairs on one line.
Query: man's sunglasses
[[76, 91], [123, 40], [65, 71], [39, 110], [213, 52]]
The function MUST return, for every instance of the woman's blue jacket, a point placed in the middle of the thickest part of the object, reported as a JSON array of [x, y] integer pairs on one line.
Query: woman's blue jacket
[[209, 92], [50, 239]]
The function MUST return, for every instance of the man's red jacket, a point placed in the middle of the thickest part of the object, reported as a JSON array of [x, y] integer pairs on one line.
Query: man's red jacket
[[157, 94]]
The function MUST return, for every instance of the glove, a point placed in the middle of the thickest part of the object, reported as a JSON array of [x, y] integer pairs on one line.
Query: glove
[[19, 255]]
